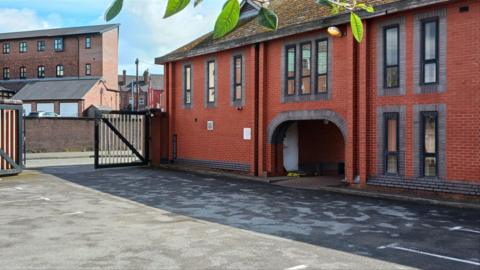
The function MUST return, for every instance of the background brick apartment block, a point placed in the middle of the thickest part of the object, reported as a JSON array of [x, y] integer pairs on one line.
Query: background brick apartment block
[[421, 131], [39, 59]]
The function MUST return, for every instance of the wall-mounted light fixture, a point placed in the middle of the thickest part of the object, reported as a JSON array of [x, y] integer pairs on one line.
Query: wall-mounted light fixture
[[334, 31]]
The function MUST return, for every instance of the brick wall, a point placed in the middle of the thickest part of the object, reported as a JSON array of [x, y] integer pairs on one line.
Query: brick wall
[[225, 142], [48, 58], [59, 134], [110, 58], [321, 146], [100, 95], [355, 98], [460, 98], [103, 57]]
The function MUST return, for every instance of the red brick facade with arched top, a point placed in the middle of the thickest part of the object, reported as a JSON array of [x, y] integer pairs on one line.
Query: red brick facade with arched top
[[212, 134]]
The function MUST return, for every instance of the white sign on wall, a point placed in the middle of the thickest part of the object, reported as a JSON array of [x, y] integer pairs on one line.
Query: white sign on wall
[[209, 125], [247, 134]]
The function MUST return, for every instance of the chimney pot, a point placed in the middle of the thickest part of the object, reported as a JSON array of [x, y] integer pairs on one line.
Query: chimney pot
[[146, 77], [124, 82]]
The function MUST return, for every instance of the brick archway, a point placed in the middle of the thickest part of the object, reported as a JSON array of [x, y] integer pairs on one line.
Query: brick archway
[[284, 119], [278, 127]]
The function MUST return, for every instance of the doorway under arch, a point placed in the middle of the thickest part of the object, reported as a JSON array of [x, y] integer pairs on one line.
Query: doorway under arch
[[310, 142]]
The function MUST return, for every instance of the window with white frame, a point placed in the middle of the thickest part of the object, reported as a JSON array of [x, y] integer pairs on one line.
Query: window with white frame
[[211, 84]]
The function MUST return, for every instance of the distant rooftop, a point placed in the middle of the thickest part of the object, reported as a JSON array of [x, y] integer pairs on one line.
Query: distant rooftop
[[94, 29], [156, 82], [56, 90]]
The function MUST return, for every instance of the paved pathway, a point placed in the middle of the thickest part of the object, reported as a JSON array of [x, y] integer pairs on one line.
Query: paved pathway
[[161, 219]]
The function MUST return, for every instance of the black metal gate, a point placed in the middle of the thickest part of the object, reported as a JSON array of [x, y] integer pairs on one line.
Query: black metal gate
[[121, 139], [11, 138]]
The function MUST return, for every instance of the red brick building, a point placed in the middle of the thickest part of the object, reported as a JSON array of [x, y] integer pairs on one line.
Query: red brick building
[[400, 109], [150, 94], [62, 70]]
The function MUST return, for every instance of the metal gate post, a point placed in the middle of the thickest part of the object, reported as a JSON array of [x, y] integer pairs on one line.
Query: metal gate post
[[98, 117], [147, 138]]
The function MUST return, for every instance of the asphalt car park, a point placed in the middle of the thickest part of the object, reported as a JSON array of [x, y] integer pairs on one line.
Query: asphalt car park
[[78, 217]]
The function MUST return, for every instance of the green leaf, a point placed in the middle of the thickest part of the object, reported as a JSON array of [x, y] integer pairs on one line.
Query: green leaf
[[175, 6], [335, 10], [368, 8], [197, 2], [357, 26], [113, 10], [267, 18], [228, 19]]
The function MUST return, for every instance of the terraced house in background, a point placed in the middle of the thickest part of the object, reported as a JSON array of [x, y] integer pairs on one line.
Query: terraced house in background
[[62, 70], [401, 109]]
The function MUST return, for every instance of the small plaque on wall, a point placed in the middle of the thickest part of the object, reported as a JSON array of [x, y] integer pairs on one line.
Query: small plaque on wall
[[209, 125], [247, 134]]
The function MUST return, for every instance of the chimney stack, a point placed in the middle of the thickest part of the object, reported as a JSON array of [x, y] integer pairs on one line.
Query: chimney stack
[[124, 81], [146, 77]]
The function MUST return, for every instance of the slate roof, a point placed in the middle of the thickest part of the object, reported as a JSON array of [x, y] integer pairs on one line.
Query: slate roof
[[56, 90], [12, 85], [295, 16], [94, 29]]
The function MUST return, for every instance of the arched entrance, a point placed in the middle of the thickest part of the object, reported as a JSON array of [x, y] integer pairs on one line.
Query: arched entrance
[[311, 142]]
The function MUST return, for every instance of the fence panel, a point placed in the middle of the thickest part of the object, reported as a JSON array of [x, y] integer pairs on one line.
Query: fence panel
[[11, 138]]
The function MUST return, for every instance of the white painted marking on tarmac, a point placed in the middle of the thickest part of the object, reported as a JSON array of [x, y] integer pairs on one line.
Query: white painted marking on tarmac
[[73, 213], [298, 267], [10, 188], [460, 228], [20, 201], [397, 247]]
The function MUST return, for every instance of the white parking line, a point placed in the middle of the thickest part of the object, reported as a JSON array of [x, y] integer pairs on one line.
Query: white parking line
[[10, 188], [460, 228], [73, 213], [298, 267], [31, 200], [397, 247]]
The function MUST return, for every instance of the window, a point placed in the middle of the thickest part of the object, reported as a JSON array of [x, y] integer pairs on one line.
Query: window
[[23, 72], [88, 42], [322, 66], [41, 45], [291, 70], [429, 143], [60, 71], [88, 69], [391, 143], [23, 47], [6, 48], [41, 72], [58, 44], [211, 81], [6, 73], [391, 50], [429, 52], [46, 107], [69, 109], [306, 68], [237, 78], [187, 75]]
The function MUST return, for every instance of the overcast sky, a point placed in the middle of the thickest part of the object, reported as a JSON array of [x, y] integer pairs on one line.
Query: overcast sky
[[143, 32]]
